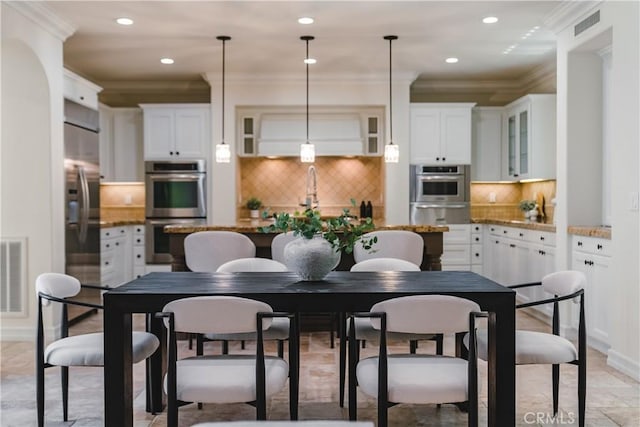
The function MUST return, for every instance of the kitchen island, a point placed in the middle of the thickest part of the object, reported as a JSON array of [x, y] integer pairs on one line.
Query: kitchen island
[[431, 234]]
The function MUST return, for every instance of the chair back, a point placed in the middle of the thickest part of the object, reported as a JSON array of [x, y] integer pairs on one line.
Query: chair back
[[205, 251], [385, 264], [420, 314], [401, 244], [57, 285], [563, 283], [217, 314], [251, 264], [279, 242]]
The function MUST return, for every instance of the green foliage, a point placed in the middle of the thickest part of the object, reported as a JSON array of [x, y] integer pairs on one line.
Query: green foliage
[[527, 205], [254, 203], [343, 232]]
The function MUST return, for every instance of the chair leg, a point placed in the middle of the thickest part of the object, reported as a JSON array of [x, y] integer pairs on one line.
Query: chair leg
[[40, 391], [242, 346], [582, 390], [413, 346], [64, 381], [190, 341], [555, 380], [342, 367], [440, 344], [280, 348], [225, 347]]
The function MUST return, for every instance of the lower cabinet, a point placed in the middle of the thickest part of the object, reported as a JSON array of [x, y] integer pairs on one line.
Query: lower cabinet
[[591, 256], [456, 251], [121, 255]]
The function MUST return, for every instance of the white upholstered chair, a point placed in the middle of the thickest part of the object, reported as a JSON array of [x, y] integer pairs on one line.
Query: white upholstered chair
[[412, 378], [77, 350], [226, 378], [279, 329], [205, 251], [365, 330], [401, 244], [541, 348]]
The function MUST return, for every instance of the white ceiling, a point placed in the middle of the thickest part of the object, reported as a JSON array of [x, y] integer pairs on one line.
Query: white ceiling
[[266, 38]]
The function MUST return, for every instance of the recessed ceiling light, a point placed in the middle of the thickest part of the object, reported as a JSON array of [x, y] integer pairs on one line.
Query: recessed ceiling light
[[305, 20], [167, 61], [490, 20], [310, 61], [451, 60], [124, 21]]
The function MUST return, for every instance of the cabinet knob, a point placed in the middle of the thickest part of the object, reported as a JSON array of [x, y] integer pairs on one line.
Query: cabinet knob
[[477, 254], [516, 175], [437, 159], [171, 153], [82, 98], [117, 243], [106, 263], [444, 159], [599, 246], [504, 231], [520, 234], [512, 245], [579, 243], [477, 239], [138, 256], [177, 153], [541, 237]]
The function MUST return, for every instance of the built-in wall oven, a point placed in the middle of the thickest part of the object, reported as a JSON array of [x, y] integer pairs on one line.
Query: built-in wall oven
[[175, 194], [439, 194]]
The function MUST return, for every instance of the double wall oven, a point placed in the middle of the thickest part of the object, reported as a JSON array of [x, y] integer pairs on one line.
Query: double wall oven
[[440, 194], [175, 194]]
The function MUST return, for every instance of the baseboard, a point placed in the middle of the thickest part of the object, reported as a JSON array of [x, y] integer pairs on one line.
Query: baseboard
[[623, 364], [26, 333]]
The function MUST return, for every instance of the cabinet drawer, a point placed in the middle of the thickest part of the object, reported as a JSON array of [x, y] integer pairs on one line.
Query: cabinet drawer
[[542, 237], [495, 230], [476, 254], [458, 234], [138, 240], [476, 239], [592, 245], [514, 233], [138, 255], [110, 232], [456, 254]]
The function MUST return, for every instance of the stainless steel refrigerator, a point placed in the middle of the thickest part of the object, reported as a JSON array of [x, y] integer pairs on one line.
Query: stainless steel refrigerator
[[82, 200]]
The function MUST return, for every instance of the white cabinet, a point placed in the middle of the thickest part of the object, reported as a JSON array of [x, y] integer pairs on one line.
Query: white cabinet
[[441, 133], [477, 239], [80, 90], [456, 253], [121, 146], [486, 142], [529, 139], [138, 251], [176, 131], [591, 256], [115, 256]]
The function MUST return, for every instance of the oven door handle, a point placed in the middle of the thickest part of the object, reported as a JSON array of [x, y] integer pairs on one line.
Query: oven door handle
[[175, 177], [439, 177], [441, 206]]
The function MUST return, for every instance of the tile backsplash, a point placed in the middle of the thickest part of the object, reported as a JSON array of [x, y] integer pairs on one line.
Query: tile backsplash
[[507, 198], [122, 201], [281, 183]]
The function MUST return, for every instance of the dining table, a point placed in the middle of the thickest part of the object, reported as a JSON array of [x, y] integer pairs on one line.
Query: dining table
[[339, 292]]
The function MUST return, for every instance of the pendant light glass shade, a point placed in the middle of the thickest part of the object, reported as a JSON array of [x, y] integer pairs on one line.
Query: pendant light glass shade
[[223, 151], [307, 150], [391, 150]]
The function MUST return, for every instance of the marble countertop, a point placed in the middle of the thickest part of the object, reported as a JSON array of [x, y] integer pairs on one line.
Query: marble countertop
[[120, 223], [248, 226]]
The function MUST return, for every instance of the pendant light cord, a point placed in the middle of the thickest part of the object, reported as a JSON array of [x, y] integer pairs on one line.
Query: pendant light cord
[[307, 66], [391, 39], [224, 39]]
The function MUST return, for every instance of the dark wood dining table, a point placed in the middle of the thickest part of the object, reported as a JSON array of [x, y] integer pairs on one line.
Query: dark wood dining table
[[340, 292]]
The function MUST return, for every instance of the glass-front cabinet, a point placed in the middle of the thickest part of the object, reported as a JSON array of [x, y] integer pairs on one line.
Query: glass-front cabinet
[[530, 138]]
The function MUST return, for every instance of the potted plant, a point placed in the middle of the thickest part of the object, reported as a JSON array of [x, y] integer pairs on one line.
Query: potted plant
[[254, 204], [322, 240], [530, 209]]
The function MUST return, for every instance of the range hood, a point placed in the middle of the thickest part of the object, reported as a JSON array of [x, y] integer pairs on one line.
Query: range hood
[[332, 134]]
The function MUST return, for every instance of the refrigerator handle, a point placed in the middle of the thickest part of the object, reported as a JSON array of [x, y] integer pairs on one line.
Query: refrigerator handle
[[84, 205]]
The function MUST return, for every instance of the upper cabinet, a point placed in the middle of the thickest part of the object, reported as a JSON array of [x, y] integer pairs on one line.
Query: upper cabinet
[[441, 133], [335, 131], [486, 143], [121, 147], [176, 131], [529, 138], [80, 90]]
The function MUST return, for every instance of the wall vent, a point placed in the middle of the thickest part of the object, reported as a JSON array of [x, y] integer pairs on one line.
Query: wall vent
[[13, 274], [586, 23]]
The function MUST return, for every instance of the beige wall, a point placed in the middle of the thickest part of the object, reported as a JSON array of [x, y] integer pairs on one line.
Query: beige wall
[[508, 197]]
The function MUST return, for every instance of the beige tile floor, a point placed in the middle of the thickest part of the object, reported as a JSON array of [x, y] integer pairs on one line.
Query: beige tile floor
[[613, 399]]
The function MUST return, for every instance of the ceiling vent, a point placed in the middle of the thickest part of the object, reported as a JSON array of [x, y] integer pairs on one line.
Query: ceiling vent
[[586, 23]]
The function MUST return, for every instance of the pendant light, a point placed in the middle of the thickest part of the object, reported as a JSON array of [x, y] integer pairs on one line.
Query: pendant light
[[307, 150], [223, 151], [391, 150]]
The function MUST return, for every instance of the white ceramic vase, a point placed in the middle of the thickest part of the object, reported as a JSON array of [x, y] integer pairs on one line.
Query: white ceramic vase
[[311, 259], [254, 213]]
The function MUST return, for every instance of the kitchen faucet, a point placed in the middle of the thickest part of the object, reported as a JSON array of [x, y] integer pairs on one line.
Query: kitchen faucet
[[311, 200]]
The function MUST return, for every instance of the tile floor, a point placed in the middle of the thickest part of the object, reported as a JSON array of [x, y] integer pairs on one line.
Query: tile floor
[[613, 399]]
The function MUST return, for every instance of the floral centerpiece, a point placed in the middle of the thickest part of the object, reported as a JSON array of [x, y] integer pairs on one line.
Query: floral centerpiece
[[322, 240], [530, 209]]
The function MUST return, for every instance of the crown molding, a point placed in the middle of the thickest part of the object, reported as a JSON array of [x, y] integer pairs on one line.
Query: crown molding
[[44, 17], [151, 86], [567, 13], [400, 77], [542, 76]]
